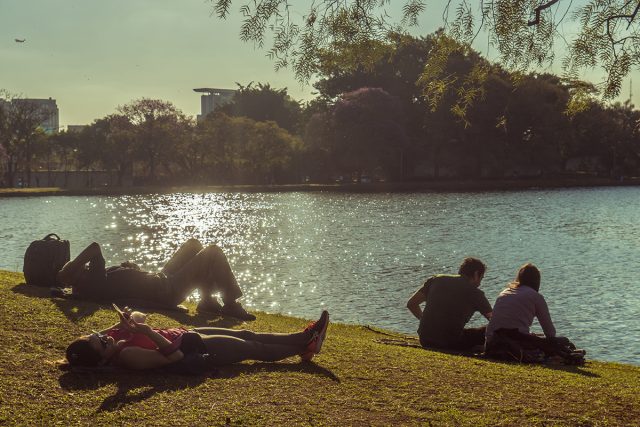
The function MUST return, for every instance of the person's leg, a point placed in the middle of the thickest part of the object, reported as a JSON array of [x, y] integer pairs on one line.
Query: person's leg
[[224, 350], [295, 339], [209, 271], [183, 255], [471, 337]]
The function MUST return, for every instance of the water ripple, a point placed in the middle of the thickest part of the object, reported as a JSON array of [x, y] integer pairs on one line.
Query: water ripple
[[364, 255]]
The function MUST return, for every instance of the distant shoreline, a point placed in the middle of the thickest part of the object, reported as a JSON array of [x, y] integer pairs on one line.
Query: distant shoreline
[[379, 187]]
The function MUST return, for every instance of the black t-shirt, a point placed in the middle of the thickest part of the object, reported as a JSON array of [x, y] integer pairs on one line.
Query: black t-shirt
[[451, 301], [125, 281]]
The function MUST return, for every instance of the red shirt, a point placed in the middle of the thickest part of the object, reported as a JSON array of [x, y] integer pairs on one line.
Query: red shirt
[[143, 341]]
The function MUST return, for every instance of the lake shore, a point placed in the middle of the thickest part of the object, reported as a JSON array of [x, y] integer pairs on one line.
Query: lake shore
[[362, 377], [378, 187]]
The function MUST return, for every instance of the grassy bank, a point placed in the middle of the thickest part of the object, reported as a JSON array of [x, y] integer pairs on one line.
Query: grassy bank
[[357, 380], [378, 187]]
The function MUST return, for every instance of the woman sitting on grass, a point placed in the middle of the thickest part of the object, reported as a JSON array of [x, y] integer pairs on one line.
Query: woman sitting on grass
[[512, 317], [133, 344]]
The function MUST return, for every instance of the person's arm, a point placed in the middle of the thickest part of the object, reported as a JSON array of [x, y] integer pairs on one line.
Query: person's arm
[[414, 303], [483, 306], [138, 316], [140, 358], [71, 271], [544, 318]]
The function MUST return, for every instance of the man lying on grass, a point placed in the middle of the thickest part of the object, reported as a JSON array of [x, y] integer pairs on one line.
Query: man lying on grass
[[192, 267], [133, 344]]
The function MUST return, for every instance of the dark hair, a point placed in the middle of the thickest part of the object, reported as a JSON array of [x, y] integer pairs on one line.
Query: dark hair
[[529, 276], [80, 353], [470, 266]]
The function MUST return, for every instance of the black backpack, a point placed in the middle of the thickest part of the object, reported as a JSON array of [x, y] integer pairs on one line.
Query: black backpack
[[43, 259]]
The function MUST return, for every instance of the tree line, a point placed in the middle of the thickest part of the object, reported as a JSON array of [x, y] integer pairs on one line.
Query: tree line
[[384, 118]]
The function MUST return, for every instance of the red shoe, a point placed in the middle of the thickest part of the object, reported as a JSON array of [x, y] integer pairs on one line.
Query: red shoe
[[318, 333]]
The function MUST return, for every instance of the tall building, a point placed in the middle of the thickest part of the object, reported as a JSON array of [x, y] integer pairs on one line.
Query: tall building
[[47, 109], [213, 99]]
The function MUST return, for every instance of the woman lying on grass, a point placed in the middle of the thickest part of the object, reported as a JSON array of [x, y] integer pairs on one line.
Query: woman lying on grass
[[133, 344]]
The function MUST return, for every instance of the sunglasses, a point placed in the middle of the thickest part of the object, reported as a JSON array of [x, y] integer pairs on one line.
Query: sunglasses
[[104, 339]]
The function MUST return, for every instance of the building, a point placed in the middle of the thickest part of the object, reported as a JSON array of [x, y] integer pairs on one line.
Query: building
[[213, 98], [47, 109]]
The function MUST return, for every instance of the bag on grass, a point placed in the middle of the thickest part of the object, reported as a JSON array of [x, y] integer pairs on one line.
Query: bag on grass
[[43, 259]]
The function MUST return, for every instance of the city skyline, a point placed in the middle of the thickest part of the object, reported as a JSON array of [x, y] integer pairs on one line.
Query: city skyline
[[95, 56]]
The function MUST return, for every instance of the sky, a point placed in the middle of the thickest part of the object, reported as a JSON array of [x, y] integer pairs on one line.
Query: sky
[[93, 55]]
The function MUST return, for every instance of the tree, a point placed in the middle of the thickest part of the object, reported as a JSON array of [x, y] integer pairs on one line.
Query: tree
[[20, 121], [523, 31], [263, 103], [240, 150], [63, 152], [109, 141], [369, 133], [153, 120]]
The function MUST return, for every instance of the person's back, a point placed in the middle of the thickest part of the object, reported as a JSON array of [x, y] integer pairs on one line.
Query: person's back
[[517, 305], [451, 301]]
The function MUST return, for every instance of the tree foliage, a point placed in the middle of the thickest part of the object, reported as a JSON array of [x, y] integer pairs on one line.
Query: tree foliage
[[526, 33], [264, 103], [154, 123], [20, 133]]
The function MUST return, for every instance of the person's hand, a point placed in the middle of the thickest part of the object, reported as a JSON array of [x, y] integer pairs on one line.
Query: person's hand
[[137, 328], [124, 315]]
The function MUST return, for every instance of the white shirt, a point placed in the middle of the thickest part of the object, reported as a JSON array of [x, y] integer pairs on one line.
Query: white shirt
[[515, 308]]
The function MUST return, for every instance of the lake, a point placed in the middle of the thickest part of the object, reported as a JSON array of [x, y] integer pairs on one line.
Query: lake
[[363, 255]]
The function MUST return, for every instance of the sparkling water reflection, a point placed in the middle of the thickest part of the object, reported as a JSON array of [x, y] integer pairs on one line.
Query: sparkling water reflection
[[362, 256]]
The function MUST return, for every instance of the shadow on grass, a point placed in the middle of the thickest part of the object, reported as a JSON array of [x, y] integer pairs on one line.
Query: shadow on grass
[[312, 368], [132, 387], [571, 369], [75, 309]]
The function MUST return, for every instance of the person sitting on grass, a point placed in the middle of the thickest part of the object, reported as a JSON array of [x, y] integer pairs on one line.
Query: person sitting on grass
[[191, 267], [513, 315], [450, 301], [133, 344]]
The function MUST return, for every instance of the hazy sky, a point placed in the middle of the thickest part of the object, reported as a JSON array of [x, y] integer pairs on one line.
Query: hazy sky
[[92, 56]]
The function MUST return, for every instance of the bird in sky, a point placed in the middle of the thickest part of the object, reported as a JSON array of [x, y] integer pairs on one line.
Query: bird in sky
[[20, 40]]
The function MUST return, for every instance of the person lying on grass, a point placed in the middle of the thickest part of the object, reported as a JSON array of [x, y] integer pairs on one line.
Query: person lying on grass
[[133, 344], [193, 266]]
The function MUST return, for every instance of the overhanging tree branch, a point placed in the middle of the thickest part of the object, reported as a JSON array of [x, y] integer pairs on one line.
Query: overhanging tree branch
[[539, 9]]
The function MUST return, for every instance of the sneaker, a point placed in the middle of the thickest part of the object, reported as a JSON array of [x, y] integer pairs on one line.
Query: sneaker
[[211, 306], [307, 355], [318, 332], [234, 309]]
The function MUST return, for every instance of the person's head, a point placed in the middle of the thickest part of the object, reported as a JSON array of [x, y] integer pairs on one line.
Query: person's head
[[528, 275], [90, 350], [473, 269]]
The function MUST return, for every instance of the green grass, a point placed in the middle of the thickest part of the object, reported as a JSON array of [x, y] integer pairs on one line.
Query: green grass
[[356, 380]]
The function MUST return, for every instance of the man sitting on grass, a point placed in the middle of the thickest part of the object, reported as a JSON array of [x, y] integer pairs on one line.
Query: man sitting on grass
[[191, 267], [450, 301]]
